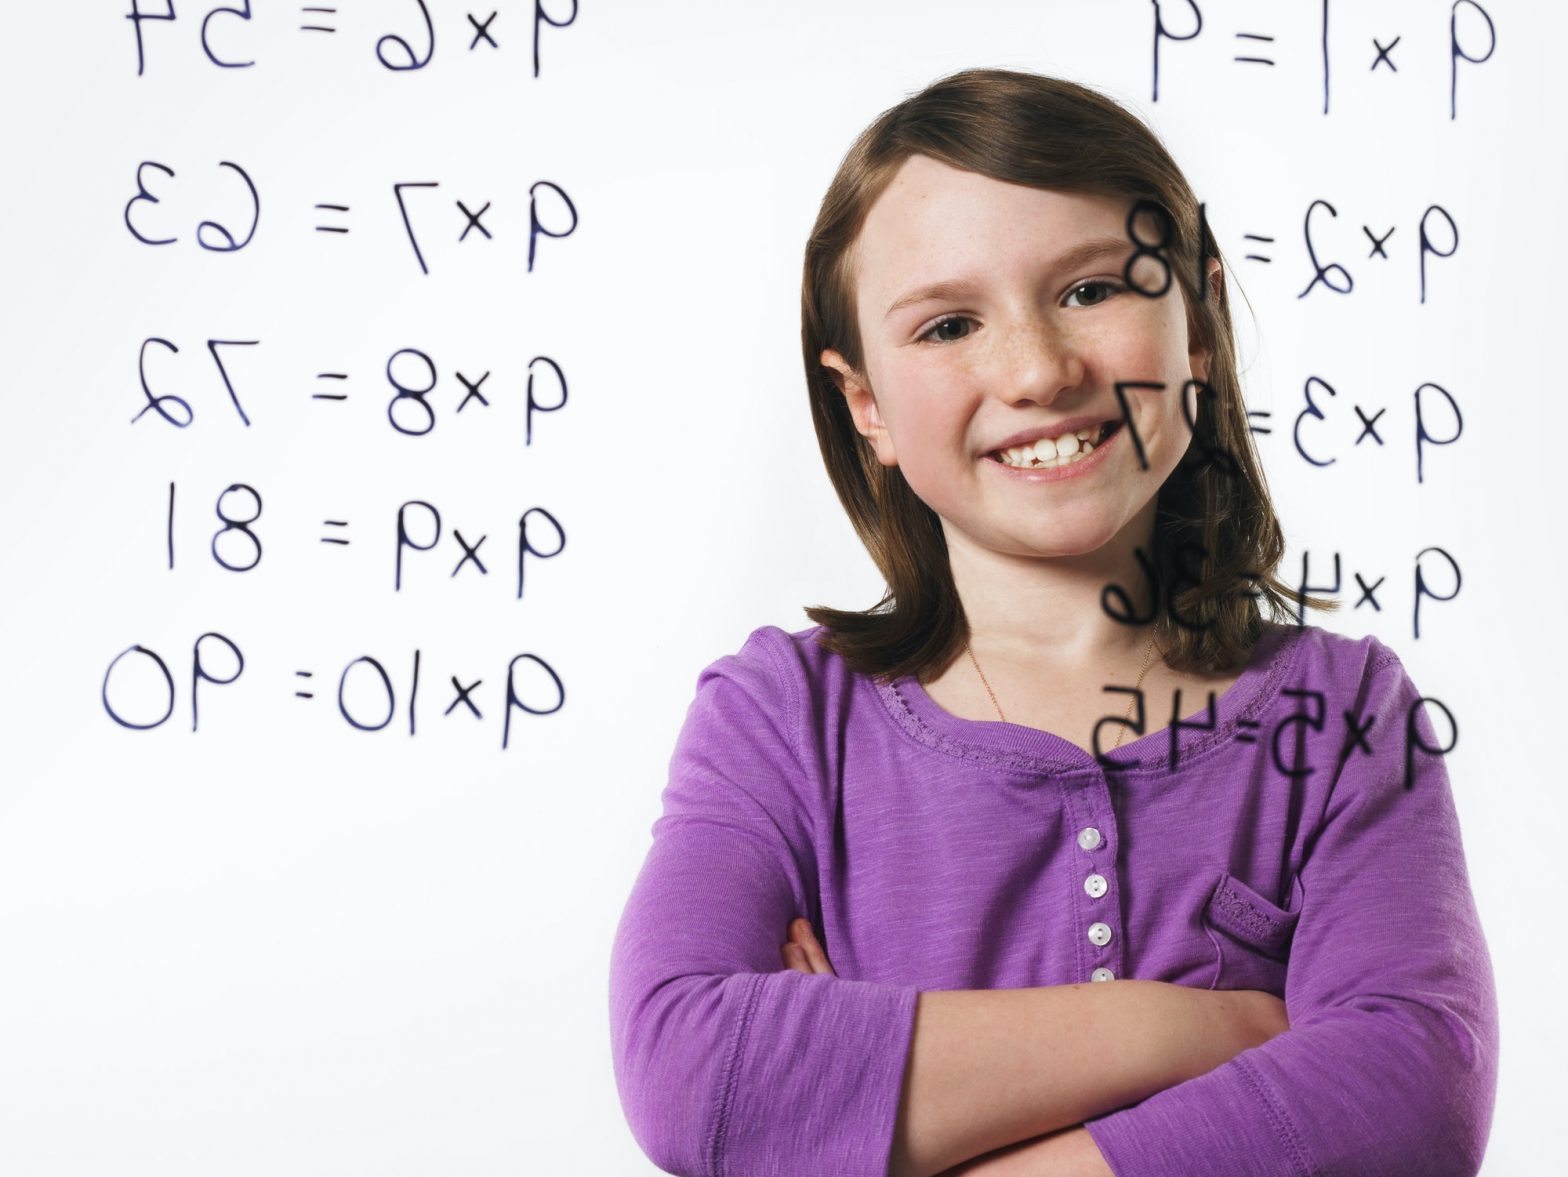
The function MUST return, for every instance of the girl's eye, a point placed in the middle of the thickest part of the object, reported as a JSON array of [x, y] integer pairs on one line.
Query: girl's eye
[[1104, 284], [942, 323], [1105, 288]]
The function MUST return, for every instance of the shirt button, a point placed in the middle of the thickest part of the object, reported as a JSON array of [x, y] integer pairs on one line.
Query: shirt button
[[1095, 885], [1088, 837], [1100, 934], [1102, 975]]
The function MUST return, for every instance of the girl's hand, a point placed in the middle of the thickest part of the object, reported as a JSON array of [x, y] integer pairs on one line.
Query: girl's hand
[[802, 952]]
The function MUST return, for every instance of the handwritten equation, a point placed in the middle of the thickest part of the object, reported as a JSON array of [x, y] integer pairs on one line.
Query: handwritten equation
[[170, 204], [236, 544], [1309, 718], [157, 227], [221, 32], [408, 411], [131, 695], [1470, 40]]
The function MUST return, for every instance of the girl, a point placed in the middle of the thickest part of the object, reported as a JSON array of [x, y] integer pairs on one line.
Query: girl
[[1066, 748]]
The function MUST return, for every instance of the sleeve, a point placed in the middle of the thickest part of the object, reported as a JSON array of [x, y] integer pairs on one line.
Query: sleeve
[[727, 1062], [1390, 1064]]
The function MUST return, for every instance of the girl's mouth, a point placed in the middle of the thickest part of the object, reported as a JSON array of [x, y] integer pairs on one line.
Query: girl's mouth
[[1083, 453]]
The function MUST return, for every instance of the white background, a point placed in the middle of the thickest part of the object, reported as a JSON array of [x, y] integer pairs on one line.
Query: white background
[[281, 945]]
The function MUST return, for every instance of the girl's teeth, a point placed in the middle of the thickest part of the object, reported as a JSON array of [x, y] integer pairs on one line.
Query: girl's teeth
[[1061, 451]]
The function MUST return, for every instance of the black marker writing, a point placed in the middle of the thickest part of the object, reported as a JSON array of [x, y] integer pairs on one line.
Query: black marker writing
[[1322, 273], [239, 527], [1414, 741], [1456, 53], [1422, 436], [1423, 592], [525, 546], [406, 393], [168, 679], [1288, 739], [1161, 33], [1151, 249], [411, 60], [1426, 241], [394, 51], [157, 402], [199, 672], [210, 235], [1467, 47], [1421, 589]]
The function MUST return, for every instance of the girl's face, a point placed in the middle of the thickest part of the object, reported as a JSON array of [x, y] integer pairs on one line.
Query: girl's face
[[987, 309]]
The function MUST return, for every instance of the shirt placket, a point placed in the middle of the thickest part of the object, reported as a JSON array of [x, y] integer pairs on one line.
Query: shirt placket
[[1098, 928]]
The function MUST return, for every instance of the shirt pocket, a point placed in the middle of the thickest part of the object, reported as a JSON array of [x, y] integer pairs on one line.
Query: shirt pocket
[[1251, 936]]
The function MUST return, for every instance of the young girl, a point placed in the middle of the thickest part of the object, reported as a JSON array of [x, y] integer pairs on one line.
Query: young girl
[[1066, 748]]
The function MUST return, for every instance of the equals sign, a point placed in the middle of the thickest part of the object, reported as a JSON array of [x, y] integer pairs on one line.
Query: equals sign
[[337, 208], [1258, 257], [303, 694], [1255, 37], [327, 539], [318, 28], [1251, 413], [330, 396]]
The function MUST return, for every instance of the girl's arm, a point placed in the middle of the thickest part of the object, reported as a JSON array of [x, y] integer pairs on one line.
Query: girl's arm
[[978, 1077], [1068, 1152], [709, 1038], [1390, 1065], [975, 1083]]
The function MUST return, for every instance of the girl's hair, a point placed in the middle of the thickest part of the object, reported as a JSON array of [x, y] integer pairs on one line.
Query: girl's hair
[[1216, 538]]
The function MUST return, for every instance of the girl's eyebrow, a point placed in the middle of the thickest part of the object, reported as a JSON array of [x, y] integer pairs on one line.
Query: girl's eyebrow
[[1070, 259]]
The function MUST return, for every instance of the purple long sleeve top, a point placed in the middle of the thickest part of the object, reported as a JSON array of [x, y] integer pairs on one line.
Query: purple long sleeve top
[[1295, 841]]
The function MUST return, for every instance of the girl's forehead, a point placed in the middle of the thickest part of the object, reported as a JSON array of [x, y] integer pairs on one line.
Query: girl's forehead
[[924, 189], [935, 222], [930, 211]]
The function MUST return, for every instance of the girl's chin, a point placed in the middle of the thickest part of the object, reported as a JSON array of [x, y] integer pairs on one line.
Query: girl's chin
[[1082, 537]]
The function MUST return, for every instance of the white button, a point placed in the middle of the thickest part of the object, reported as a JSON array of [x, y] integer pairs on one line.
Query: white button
[[1095, 885], [1100, 934], [1102, 975], [1088, 837]]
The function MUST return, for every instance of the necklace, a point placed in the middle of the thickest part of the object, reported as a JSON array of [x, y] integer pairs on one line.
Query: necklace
[[1147, 657]]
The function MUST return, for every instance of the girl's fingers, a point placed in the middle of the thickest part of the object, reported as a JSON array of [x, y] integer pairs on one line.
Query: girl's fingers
[[806, 946]]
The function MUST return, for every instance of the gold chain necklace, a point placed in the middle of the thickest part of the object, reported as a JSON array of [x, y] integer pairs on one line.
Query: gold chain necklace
[[1147, 657]]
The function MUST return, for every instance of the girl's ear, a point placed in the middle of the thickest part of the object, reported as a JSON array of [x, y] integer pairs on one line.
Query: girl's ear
[[862, 405], [1216, 276], [1201, 357]]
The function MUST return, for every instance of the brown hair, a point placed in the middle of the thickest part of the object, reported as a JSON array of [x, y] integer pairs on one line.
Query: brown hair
[[1216, 538]]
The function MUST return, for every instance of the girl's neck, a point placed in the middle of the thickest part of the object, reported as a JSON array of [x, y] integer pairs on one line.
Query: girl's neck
[[1050, 612]]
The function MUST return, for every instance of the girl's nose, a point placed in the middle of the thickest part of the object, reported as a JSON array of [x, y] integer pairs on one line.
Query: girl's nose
[[1038, 362]]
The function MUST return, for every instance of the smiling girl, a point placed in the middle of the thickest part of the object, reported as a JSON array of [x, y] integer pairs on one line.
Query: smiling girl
[[1022, 374]]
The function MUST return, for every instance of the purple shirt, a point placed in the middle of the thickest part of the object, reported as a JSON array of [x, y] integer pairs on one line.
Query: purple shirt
[[1282, 852]]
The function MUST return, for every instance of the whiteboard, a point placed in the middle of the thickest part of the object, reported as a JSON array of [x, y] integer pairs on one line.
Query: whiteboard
[[366, 535]]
